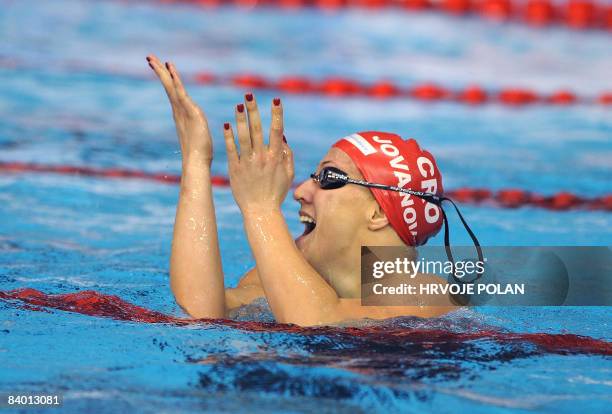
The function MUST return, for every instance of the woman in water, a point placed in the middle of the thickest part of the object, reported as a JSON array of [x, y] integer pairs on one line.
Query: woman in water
[[314, 280]]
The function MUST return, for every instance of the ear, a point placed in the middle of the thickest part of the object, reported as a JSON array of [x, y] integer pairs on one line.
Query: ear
[[377, 219]]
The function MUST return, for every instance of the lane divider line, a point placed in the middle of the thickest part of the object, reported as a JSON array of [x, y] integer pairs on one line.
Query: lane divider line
[[574, 14], [505, 198], [97, 304], [346, 87], [384, 89]]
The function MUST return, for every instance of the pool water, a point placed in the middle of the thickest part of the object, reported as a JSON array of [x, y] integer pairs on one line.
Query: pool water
[[65, 234]]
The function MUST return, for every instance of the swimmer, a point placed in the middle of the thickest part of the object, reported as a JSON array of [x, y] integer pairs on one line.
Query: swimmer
[[315, 279]]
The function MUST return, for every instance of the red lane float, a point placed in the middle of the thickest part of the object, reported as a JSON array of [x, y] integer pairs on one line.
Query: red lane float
[[507, 198], [385, 89], [575, 14], [338, 86], [93, 303]]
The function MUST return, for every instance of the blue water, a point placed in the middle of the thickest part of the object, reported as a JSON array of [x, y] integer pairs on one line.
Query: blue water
[[62, 234]]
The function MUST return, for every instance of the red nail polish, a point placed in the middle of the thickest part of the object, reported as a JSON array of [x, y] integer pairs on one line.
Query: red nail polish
[[284, 139], [249, 97], [276, 101], [169, 71], [240, 108], [226, 125]]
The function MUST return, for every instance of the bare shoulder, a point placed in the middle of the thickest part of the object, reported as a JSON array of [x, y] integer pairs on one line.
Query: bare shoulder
[[248, 289]]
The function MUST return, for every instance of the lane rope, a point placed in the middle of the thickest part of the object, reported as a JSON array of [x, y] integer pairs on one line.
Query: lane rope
[[98, 304], [346, 87], [574, 14], [384, 89], [505, 198]]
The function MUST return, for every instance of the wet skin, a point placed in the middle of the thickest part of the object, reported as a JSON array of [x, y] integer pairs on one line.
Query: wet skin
[[315, 279]]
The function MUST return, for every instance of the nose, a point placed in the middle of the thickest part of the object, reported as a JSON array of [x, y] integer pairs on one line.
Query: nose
[[303, 193]]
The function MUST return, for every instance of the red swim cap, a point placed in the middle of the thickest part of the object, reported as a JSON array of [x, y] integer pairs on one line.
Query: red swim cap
[[386, 158]]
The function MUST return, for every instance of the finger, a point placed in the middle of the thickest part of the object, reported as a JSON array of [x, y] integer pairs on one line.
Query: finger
[[179, 89], [230, 145], [288, 160], [164, 76], [244, 137], [183, 97], [255, 129], [276, 126]]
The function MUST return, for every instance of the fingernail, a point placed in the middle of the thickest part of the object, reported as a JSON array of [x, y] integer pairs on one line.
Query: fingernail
[[240, 108], [148, 59], [284, 139], [276, 101], [249, 97], [226, 125], [151, 66], [168, 67]]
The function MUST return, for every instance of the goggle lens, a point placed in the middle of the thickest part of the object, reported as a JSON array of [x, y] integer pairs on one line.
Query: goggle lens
[[330, 178]]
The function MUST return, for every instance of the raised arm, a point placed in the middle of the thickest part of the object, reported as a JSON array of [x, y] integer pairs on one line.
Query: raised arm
[[196, 275], [261, 176]]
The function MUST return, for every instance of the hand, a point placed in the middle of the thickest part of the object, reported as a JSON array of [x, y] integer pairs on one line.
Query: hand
[[190, 121], [260, 175]]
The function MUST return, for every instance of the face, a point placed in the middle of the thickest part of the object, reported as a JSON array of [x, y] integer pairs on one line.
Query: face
[[335, 220]]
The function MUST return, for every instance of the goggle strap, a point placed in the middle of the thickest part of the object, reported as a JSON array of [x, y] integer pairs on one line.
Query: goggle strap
[[368, 184], [342, 177], [432, 198], [447, 246]]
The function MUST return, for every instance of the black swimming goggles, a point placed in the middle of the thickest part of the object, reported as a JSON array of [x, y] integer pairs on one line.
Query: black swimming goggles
[[330, 178]]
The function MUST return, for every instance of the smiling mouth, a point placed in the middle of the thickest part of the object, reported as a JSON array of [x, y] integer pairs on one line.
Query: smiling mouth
[[309, 224]]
